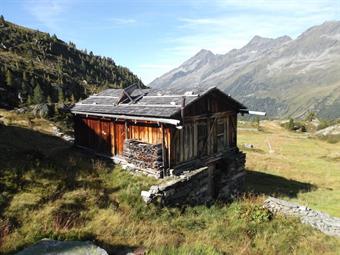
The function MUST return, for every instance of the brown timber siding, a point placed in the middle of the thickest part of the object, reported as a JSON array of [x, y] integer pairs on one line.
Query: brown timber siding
[[107, 136]]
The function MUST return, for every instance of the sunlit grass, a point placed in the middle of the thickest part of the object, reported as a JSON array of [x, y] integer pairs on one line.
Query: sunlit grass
[[297, 157]]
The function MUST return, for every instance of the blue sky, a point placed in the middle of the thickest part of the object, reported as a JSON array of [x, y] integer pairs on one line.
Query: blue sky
[[151, 37]]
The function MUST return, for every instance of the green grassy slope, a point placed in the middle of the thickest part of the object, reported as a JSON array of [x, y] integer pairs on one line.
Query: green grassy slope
[[49, 189], [304, 169]]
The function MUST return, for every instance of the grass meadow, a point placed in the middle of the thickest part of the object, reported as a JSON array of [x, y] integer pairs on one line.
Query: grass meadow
[[50, 189]]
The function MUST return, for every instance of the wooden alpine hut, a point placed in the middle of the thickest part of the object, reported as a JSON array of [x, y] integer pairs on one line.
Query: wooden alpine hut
[[160, 132]]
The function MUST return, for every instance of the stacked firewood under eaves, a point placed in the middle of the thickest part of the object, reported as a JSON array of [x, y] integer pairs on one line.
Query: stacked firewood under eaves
[[143, 155]]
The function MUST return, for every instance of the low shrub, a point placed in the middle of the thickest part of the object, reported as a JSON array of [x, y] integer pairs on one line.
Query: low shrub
[[294, 125]]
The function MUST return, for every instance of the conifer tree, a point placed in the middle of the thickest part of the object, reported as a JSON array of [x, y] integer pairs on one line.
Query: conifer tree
[[60, 96], [9, 78], [29, 100], [49, 100], [38, 96], [54, 37], [24, 76], [73, 99], [24, 88]]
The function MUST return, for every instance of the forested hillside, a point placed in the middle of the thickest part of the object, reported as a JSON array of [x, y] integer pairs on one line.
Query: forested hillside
[[36, 67]]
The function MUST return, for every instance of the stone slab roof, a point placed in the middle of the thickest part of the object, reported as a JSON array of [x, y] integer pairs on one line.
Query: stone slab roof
[[140, 102]]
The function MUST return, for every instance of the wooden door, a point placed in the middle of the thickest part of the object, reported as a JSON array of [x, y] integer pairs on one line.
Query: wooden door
[[119, 137]]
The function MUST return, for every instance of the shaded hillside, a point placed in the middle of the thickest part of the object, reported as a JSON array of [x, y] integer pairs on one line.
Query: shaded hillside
[[36, 67], [282, 76]]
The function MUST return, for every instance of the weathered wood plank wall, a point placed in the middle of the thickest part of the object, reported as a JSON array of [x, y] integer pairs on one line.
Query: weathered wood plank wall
[[107, 136], [203, 137]]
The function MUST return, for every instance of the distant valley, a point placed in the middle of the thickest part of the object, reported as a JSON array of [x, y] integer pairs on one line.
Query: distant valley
[[281, 76]]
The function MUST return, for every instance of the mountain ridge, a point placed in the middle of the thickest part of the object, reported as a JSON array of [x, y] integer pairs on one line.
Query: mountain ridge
[[283, 76]]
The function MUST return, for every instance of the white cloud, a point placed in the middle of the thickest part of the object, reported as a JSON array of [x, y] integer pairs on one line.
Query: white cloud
[[48, 12], [291, 6], [122, 21], [109, 23], [200, 21]]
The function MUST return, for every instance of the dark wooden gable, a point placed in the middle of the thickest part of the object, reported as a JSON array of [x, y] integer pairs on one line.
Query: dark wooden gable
[[213, 101]]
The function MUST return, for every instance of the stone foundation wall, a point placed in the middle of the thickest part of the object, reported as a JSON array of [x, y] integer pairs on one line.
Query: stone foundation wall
[[322, 221], [143, 157], [189, 188], [230, 176], [222, 181]]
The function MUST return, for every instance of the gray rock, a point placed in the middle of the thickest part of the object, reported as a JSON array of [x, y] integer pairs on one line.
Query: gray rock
[[321, 221], [52, 247], [248, 145], [329, 131], [40, 110], [21, 110], [146, 196]]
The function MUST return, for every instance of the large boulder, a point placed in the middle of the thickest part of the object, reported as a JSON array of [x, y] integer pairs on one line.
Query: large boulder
[[329, 131], [41, 110], [52, 247]]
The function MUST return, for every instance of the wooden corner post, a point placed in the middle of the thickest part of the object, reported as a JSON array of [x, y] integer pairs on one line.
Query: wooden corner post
[[163, 151]]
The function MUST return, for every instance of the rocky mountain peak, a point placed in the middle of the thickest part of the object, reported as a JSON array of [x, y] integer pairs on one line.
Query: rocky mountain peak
[[267, 74], [203, 53], [284, 38], [258, 43], [258, 40], [200, 58], [329, 28]]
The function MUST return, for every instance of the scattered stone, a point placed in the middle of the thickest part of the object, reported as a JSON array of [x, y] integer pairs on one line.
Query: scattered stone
[[249, 146], [56, 131], [68, 138], [138, 251], [40, 110], [52, 247], [321, 221], [146, 196], [21, 110], [329, 131]]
